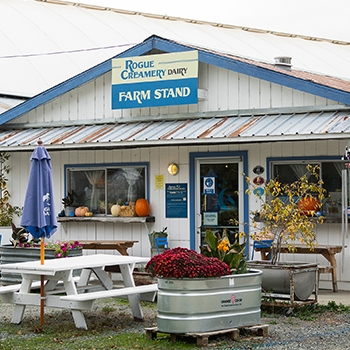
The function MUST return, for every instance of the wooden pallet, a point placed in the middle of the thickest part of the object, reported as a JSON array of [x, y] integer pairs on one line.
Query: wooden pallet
[[203, 338]]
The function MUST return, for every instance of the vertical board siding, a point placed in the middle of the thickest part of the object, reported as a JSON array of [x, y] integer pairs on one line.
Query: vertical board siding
[[225, 90], [158, 158]]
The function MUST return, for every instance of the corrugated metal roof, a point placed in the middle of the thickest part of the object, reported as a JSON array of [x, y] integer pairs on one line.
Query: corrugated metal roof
[[48, 43], [252, 128], [6, 103]]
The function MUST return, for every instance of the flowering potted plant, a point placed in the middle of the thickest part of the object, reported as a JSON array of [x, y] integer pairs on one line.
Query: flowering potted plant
[[284, 215], [7, 211], [68, 204], [23, 249], [233, 254], [59, 249], [157, 234], [198, 293], [152, 240]]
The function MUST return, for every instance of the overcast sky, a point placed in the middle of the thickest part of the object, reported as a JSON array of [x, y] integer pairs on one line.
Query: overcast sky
[[322, 18]]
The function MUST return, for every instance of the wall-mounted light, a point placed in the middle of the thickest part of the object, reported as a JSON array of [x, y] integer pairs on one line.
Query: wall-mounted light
[[173, 169]]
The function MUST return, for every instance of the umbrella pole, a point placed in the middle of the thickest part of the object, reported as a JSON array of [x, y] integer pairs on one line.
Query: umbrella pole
[[42, 287]]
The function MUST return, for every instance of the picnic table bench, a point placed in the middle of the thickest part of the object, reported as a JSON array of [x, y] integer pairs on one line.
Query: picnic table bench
[[78, 293]]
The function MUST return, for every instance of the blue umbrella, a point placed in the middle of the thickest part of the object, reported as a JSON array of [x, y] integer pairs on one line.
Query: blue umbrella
[[39, 217]]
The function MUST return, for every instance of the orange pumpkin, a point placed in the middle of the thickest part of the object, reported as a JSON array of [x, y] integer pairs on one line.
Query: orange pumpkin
[[80, 211], [308, 205], [142, 207]]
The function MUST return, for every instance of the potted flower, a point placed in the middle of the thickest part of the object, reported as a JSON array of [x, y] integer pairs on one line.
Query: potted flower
[[198, 293], [233, 254], [7, 210], [68, 202], [333, 205], [290, 213], [156, 234], [24, 249]]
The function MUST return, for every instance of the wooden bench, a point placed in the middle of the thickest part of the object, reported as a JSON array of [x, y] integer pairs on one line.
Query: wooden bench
[[120, 246], [111, 293], [325, 269]]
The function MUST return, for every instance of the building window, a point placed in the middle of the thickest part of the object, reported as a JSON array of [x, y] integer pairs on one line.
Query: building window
[[99, 187], [288, 171]]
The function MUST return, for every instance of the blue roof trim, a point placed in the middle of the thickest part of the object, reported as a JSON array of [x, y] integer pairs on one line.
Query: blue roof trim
[[155, 42], [56, 91]]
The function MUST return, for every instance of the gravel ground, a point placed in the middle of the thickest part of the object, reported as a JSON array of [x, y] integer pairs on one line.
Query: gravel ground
[[328, 331]]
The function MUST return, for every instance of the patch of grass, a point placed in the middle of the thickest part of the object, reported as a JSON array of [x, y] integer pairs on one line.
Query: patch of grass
[[308, 312], [61, 334], [108, 309], [111, 326], [89, 341]]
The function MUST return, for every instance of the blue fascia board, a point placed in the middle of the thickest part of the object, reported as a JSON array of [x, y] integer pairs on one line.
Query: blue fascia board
[[155, 42], [71, 83], [55, 91]]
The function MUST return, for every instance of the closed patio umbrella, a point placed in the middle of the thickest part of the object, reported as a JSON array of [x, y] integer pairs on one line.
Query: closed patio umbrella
[[39, 217]]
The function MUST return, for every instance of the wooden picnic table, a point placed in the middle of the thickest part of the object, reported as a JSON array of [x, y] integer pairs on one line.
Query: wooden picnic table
[[121, 246]]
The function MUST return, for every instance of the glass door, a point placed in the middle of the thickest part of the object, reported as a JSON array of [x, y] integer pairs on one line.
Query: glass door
[[217, 201]]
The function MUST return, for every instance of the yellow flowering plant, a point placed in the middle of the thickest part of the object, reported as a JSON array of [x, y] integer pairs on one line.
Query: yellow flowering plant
[[283, 213], [233, 254]]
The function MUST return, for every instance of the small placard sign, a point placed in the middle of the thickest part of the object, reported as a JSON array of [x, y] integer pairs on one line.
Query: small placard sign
[[210, 219]]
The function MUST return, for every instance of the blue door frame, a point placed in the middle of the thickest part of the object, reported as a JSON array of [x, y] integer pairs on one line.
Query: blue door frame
[[192, 193]]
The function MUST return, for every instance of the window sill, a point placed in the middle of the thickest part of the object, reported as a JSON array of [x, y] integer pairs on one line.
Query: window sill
[[111, 219], [326, 220]]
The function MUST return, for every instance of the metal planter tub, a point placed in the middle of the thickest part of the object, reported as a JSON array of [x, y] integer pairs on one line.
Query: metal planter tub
[[295, 279], [209, 304]]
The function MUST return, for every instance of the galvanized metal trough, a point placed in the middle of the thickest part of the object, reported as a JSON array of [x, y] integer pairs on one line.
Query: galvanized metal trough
[[209, 304]]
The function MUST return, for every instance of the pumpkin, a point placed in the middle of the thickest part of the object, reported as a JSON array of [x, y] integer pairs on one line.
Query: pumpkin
[[89, 214], [309, 204], [142, 207], [115, 210], [80, 211]]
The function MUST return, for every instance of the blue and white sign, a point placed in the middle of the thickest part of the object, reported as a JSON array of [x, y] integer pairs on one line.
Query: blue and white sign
[[208, 184], [176, 200], [155, 80]]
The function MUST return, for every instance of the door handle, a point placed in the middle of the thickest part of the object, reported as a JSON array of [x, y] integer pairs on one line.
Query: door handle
[[199, 223]]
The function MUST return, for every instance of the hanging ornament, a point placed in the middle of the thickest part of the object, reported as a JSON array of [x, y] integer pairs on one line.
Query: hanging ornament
[[259, 191], [258, 180], [258, 170]]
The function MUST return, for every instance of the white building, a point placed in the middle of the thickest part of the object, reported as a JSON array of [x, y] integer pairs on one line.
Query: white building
[[251, 111]]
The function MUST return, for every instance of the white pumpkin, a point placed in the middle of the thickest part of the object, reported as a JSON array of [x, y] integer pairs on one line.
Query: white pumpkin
[[115, 210]]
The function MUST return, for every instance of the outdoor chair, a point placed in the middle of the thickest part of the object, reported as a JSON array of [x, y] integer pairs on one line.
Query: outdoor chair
[[161, 242], [263, 244]]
